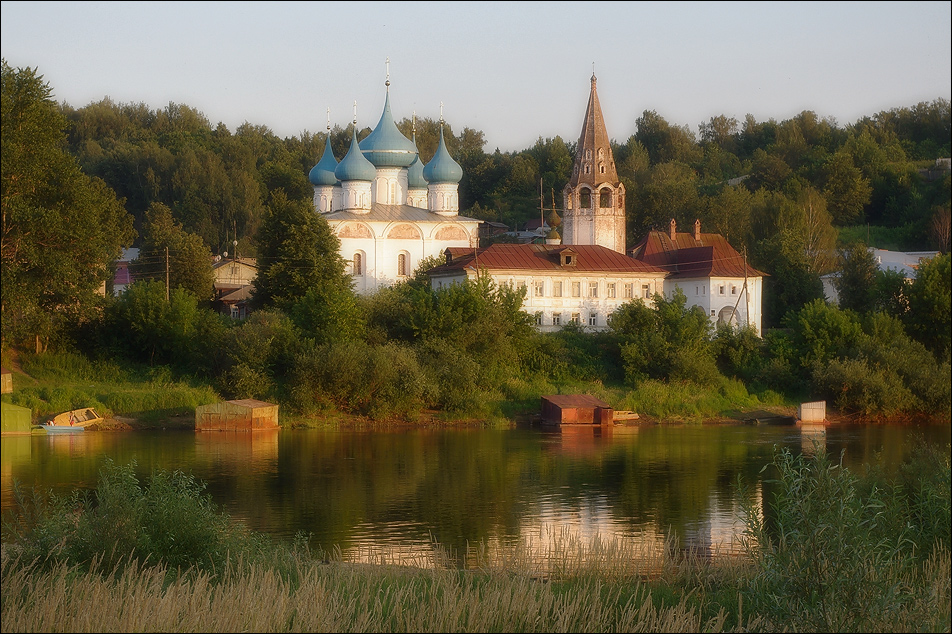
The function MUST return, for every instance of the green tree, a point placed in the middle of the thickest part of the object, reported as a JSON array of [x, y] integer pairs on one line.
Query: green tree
[[846, 189], [929, 319], [297, 252], [168, 249], [856, 282], [61, 229]]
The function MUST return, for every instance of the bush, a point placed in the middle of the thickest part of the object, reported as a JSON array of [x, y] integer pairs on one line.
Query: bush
[[170, 520]]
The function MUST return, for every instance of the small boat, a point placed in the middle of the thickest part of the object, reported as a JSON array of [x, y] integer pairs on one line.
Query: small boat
[[61, 429], [73, 419]]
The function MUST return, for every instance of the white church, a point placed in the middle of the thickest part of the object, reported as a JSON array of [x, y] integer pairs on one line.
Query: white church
[[387, 208]]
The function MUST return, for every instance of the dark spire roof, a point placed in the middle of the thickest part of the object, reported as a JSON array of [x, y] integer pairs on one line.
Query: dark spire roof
[[594, 138]]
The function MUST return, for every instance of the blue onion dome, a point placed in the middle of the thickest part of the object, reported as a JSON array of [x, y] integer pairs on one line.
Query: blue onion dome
[[415, 178], [386, 146], [354, 167], [322, 174], [442, 169]]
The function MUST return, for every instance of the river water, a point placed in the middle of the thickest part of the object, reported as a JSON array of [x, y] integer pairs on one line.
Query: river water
[[452, 495]]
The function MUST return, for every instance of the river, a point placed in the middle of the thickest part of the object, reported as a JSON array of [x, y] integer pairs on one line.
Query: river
[[419, 496]]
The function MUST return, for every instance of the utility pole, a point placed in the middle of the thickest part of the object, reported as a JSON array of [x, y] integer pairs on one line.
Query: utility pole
[[166, 274]]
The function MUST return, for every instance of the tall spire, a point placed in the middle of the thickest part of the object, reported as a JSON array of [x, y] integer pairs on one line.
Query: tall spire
[[594, 162]]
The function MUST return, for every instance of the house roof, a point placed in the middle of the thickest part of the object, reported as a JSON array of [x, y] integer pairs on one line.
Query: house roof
[[542, 257], [396, 213], [240, 294], [708, 255]]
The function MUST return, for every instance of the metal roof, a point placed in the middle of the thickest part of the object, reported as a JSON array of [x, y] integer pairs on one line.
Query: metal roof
[[711, 255], [564, 401], [543, 257], [395, 213]]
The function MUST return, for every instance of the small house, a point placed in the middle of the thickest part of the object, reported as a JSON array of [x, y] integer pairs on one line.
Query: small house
[[576, 409], [241, 415]]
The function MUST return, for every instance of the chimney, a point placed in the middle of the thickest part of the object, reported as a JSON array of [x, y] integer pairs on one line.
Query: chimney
[[697, 229], [674, 230]]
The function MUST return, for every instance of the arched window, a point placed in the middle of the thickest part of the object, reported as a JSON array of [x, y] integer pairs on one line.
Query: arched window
[[585, 199], [605, 198], [403, 265], [358, 266]]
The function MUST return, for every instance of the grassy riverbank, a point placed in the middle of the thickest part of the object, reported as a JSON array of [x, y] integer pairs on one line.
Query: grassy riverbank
[[833, 551], [135, 396]]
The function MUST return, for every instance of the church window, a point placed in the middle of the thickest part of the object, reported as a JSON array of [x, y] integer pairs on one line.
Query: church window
[[585, 199], [610, 290], [720, 289], [403, 265], [540, 288], [358, 266], [646, 291], [733, 290], [576, 318], [576, 289], [557, 289], [601, 153], [588, 154], [601, 169], [629, 291], [593, 319], [593, 289], [393, 193], [556, 319], [605, 198], [588, 169], [538, 318]]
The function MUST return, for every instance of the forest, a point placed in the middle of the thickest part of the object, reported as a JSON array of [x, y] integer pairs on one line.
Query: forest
[[802, 197]]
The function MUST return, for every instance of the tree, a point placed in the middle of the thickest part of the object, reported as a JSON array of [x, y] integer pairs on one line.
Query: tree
[[61, 229], [297, 252], [846, 189], [929, 319], [856, 282], [168, 249]]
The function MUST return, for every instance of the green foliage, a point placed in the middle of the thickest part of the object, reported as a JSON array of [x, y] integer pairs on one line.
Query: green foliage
[[856, 282], [168, 250], [834, 552], [929, 318], [297, 252], [258, 354], [143, 325], [168, 520], [61, 228], [670, 341]]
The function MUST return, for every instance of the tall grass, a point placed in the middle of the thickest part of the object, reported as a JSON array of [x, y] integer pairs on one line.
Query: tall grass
[[58, 382]]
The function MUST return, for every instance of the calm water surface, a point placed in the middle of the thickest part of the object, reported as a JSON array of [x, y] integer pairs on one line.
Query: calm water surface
[[379, 496]]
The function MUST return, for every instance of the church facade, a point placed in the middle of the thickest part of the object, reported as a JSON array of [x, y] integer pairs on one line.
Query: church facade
[[388, 209]]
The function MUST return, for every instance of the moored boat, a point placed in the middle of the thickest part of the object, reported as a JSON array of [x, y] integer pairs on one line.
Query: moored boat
[[74, 419]]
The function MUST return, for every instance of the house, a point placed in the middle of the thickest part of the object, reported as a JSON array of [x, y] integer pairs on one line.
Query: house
[[123, 278], [232, 284], [710, 272], [388, 209], [581, 284], [904, 262]]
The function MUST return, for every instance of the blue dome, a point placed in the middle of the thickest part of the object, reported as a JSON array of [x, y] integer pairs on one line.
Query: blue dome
[[354, 167], [386, 146], [442, 169], [322, 174], [415, 173]]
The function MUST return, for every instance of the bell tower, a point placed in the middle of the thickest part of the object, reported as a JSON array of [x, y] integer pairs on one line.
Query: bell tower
[[594, 198]]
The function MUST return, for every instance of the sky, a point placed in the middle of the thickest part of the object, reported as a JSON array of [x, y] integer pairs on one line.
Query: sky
[[517, 71]]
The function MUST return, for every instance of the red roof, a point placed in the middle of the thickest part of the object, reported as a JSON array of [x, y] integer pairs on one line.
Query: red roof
[[543, 257], [708, 256]]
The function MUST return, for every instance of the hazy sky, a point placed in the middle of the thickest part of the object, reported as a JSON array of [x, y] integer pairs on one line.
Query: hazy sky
[[517, 71]]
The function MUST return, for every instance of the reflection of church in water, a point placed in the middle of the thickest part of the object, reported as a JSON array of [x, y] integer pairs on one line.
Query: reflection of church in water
[[386, 207]]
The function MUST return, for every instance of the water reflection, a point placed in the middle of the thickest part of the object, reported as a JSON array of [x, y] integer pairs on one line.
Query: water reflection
[[468, 497]]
